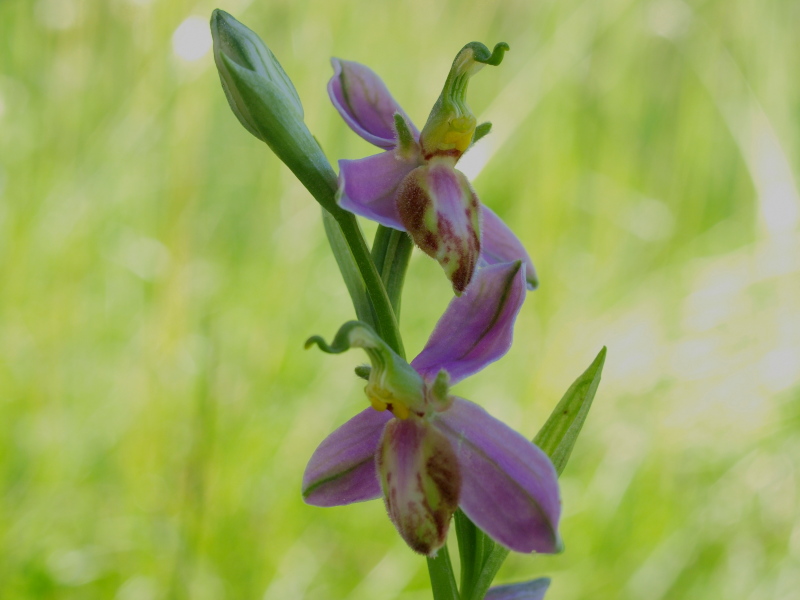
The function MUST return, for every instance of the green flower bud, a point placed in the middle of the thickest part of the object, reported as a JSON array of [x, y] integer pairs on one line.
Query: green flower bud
[[265, 101]]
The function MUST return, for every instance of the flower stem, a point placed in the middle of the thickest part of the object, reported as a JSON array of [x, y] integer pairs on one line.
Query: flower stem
[[443, 581], [384, 313], [317, 175], [391, 251]]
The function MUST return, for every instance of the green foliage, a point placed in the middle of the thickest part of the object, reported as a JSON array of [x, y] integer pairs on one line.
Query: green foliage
[[160, 270]]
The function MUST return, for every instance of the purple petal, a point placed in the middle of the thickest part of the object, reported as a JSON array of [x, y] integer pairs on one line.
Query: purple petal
[[421, 482], [509, 486], [477, 327], [530, 590], [342, 468], [367, 186], [499, 245], [440, 210], [365, 104]]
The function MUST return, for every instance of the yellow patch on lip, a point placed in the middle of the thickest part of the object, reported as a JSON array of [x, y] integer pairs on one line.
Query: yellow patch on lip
[[377, 403], [399, 410]]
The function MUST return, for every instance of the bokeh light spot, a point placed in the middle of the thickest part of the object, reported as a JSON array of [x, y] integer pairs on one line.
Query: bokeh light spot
[[192, 39]]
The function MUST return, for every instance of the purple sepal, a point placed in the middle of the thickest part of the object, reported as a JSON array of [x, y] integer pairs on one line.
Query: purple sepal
[[367, 186], [529, 590], [477, 327], [342, 468], [499, 245], [509, 486], [365, 103]]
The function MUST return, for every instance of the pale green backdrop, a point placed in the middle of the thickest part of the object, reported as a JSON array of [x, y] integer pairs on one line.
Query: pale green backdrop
[[160, 270]]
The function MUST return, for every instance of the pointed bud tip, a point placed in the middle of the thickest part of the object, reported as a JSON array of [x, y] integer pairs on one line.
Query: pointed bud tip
[[219, 16]]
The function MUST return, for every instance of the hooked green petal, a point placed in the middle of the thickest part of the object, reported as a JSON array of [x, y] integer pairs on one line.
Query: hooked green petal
[[393, 383], [451, 125]]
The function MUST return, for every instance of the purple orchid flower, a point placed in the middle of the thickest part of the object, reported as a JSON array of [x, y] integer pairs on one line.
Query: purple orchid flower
[[530, 590], [413, 185], [428, 452]]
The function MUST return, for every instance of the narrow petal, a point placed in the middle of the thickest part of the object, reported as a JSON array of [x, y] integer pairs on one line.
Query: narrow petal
[[421, 482], [530, 590], [342, 469], [477, 327], [509, 486], [499, 245], [367, 186], [365, 104], [440, 210]]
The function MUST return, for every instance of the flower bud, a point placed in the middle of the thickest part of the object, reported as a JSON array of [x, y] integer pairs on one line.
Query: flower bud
[[438, 207], [265, 101]]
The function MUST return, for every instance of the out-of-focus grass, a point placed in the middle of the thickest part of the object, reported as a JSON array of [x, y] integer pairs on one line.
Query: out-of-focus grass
[[160, 271]]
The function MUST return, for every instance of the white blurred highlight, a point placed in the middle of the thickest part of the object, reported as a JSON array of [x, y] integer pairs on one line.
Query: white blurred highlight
[[58, 15], [192, 39]]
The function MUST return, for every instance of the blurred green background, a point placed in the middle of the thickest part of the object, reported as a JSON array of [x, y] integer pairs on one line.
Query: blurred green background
[[160, 270]]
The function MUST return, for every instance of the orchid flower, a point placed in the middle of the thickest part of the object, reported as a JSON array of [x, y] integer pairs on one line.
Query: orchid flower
[[530, 590], [428, 452], [413, 185]]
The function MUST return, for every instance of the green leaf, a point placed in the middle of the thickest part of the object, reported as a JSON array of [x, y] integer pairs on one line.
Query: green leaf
[[474, 547], [391, 251], [558, 435], [349, 269]]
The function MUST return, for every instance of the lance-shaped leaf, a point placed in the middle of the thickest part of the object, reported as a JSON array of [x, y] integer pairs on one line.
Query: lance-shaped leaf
[[560, 432], [421, 482], [530, 590]]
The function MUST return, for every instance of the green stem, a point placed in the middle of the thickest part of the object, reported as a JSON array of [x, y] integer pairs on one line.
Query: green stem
[[349, 270], [391, 251], [443, 581], [317, 175], [384, 313], [474, 547]]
